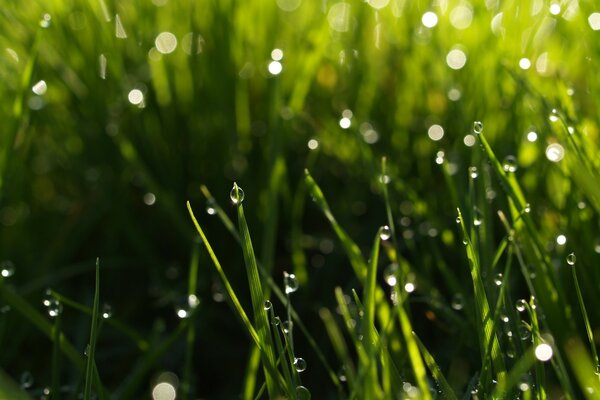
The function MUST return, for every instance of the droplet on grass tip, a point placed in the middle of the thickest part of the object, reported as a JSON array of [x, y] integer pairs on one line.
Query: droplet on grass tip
[[302, 393], [7, 269], [543, 352], [571, 259], [553, 117], [385, 179], [54, 308], [521, 305], [290, 283], [385, 232], [498, 279], [106, 311], [477, 127], [458, 302], [473, 172], [268, 305], [210, 207], [390, 274], [477, 217], [236, 195], [300, 364], [287, 326], [509, 164]]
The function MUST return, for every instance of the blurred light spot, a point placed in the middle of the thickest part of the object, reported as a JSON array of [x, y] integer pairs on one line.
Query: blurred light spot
[[532, 136], [435, 132], [461, 17], [149, 199], [469, 140], [339, 17], [555, 152], [277, 54], [555, 9], [378, 4], [570, 91], [40, 88], [347, 113], [165, 42], [369, 134], [456, 59], [164, 391], [102, 63], [561, 240], [543, 352], [313, 144], [36, 103], [496, 25], [288, 5], [159, 3], [190, 40], [409, 287], [136, 97], [193, 301], [594, 21], [524, 63], [13, 54], [345, 123], [454, 94], [119, 30], [429, 19], [439, 157], [275, 67], [45, 21], [541, 64]]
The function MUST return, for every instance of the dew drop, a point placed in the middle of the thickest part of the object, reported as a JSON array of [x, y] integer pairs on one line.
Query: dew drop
[[302, 393], [504, 318], [287, 326], [236, 195], [477, 217], [458, 302], [571, 259], [524, 332], [290, 283], [385, 232], [509, 164], [527, 208], [55, 308], [26, 380], [46, 20], [210, 207], [473, 172], [7, 269], [106, 311], [477, 127], [543, 352], [182, 313], [521, 305], [498, 279], [268, 305], [300, 364], [458, 219], [390, 274], [385, 179], [40, 88]]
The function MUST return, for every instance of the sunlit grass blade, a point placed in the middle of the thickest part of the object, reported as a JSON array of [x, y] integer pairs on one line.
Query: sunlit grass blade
[[91, 349], [257, 297], [583, 367], [9, 389], [444, 387], [193, 303], [514, 376], [586, 320], [56, 361], [485, 325], [339, 345]]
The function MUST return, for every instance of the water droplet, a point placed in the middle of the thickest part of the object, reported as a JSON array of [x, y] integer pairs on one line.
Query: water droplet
[[458, 219], [287, 326], [390, 274], [210, 207], [458, 302], [86, 351], [473, 172], [561, 240], [555, 152], [385, 179], [342, 374], [504, 318], [300, 364], [543, 352], [268, 305], [509, 164], [477, 217], [290, 283], [106, 311], [46, 20], [527, 208], [385, 232], [521, 305], [7, 269], [182, 313], [26, 380], [302, 393], [236, 195], [571, 259], [477, 127], [40, 88], [553, 115], [524, 332], [498, 279]]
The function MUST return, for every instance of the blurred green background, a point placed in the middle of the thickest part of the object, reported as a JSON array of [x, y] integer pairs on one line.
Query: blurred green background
[[114, 113]]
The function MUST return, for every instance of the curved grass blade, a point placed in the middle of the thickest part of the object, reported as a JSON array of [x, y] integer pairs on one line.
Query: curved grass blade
[[443, 385]]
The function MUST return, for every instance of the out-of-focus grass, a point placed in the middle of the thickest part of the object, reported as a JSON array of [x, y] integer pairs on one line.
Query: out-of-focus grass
[[115, 113]]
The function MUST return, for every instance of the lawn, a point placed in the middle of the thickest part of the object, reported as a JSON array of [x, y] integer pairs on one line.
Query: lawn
[[299, 199]]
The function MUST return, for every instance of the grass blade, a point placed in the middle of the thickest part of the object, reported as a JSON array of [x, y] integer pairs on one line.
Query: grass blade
[[91, 350], [443, 385]]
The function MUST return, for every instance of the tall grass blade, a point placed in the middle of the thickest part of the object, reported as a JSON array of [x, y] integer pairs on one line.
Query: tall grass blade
[[91, 349], [444, 387]]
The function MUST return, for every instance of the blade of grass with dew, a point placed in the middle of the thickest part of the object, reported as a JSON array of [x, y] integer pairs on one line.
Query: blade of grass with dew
[[91, 350], [9, 389], [444, 387], [273, 286], [236, 303], [339, 344], [193, 303], [586, 320], [486, 332], [56, 361], [583, 368], [521, 367], [281, 351], [257, 297]]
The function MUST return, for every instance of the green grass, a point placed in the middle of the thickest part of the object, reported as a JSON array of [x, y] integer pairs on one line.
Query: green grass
[[345, 254]]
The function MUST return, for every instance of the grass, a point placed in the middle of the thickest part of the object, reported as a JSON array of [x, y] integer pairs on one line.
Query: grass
[[360, 132]]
